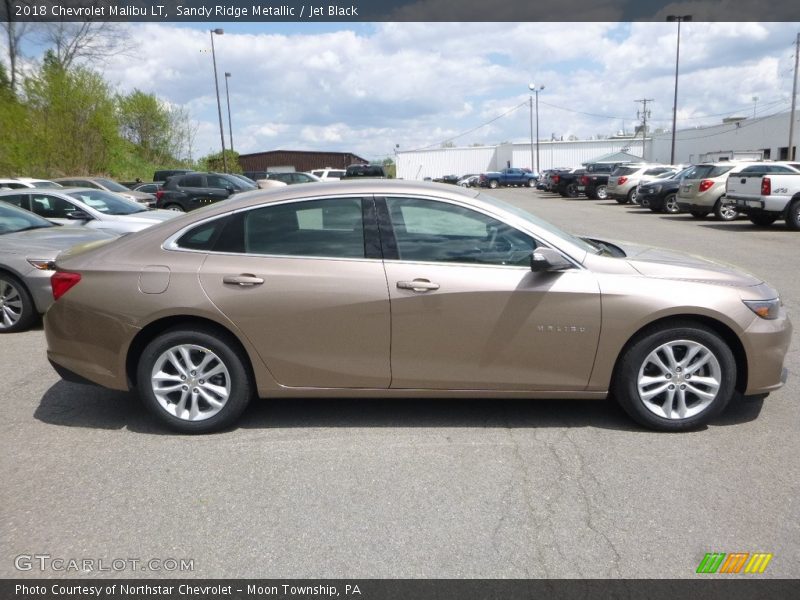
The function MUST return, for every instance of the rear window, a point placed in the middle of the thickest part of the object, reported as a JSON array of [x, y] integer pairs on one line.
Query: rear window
[[656, 171], [710, 171], [624, 170]]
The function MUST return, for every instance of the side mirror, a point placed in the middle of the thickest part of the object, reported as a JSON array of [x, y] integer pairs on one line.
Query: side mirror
[[547, 260], [230, 189], [78, 215]]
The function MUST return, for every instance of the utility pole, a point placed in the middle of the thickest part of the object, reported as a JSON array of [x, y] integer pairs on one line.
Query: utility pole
[[643, 116], [794, 96]]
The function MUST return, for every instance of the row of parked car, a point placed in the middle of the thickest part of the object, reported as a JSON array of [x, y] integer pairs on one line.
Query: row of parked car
[[764, 191]]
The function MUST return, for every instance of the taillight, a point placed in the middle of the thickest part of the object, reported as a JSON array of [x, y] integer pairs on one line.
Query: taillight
[[584, 180], [621, 180], [159, 194], [766, 186], [705, 185], [62, 282], [555, 178]]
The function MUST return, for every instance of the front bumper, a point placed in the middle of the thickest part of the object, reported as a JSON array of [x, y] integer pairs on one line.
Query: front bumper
[[766, 344]]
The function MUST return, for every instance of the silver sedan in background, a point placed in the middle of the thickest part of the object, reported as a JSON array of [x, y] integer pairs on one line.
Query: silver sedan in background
[[96, 209], [28, 247]]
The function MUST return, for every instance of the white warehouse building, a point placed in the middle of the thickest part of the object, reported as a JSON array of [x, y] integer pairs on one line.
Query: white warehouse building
[[766, 136]]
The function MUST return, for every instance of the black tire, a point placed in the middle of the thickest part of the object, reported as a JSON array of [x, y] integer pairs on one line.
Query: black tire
[[656, 208], [762, 220], [493, 184], [698, 214], [17, 310], [531, 183], [633, 361], [601, 192], [174, 206], [793, 216], [591, 193], [631, 196], [725, 211], [572, 190], [670, 205], [225, 351]]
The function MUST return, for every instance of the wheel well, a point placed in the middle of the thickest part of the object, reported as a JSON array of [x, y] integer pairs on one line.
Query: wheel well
[[718, 327], [154, 329]]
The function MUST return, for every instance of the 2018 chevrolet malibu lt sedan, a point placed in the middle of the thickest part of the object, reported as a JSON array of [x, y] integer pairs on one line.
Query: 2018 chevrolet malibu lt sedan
[[390, 288], [28, 247]]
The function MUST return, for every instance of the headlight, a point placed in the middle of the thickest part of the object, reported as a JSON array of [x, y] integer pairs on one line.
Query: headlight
[[42, 264], [766, 309]]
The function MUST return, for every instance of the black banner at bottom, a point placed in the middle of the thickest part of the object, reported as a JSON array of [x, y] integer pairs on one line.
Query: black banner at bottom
[[397, 589]]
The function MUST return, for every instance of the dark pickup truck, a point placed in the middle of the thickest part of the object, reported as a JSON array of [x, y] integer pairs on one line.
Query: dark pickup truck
[[194, 190], [595, 179], [569, 183], [511, 176]]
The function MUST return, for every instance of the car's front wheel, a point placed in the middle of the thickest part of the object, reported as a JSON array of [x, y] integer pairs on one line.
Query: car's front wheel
[[725, 210], [194, 380], [531, 183], [17, 311], [493, 184], [174, 207], [676, 377], [671, 204]]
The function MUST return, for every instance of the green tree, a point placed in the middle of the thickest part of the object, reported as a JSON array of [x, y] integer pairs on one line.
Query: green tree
[[73, 120], [213, 162], [145, 122]]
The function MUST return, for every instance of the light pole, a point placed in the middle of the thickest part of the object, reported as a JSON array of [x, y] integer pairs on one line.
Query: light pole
[[680, 19], [219, 105], [228, 98], [755, 103], [535, 89]]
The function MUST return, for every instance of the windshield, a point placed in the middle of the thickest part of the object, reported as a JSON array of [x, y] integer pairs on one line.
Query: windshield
[[107, 203], [13, 219], [539, 222], [112, 185], [246, 180]]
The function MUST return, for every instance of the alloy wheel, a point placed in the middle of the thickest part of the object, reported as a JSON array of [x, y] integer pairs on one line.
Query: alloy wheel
[[10, 304]]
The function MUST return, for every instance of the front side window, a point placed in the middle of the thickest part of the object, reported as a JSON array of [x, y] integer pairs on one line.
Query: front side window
[[431, 231], [107, 202], [330, 228], [51, 207]]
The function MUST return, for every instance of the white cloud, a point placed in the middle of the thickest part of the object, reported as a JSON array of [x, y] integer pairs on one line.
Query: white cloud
[[364, 90]]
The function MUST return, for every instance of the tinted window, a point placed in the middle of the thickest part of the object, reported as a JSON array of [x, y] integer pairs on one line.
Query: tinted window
[[112, 185], [709, 171], [20, 200], [191, 181], [329, 228], [201, 237], [45, 184], [433, 231], [657, 171], [217, 181], [624, 170], [51, 207]]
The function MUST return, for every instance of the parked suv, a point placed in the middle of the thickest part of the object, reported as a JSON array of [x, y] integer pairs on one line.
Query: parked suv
[[162, 176], [661, 195], [186, 192], [623, 181], [374, 171], [703, 191]]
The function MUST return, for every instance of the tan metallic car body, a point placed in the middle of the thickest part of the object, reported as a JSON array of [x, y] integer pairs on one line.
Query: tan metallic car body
[[569, 323]]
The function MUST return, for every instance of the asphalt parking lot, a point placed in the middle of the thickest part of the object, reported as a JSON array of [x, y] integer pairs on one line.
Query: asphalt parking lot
[[416, 488]]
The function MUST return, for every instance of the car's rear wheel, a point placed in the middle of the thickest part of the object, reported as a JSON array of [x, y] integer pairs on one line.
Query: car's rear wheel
[[493, 184], [793, 216], [175, 207], [17, 310], [676, 377], [632, 196], [601, 192], [194, 380], [572, 190], [724, 210], [671, 204], [762, 220]]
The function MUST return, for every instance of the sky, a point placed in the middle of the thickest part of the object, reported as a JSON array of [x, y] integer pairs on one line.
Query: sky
[[373, 88]]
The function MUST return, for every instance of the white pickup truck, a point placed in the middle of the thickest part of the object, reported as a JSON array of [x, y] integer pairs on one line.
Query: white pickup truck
[[766, 192]]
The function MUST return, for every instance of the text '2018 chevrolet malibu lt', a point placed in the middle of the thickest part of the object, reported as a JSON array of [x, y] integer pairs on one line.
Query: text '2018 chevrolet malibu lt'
[[388, 288]]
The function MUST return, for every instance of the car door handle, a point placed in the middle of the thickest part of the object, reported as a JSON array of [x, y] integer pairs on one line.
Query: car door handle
[[246, 279], [418, 285]]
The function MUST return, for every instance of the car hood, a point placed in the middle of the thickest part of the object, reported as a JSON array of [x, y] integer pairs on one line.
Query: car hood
[[49, 241], [661, 263]]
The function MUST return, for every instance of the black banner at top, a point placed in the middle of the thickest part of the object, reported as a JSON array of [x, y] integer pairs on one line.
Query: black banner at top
[[396, 10]]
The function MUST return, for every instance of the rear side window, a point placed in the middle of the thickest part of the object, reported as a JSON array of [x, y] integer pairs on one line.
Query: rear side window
[[710, 171], [191, 181], [331, 228], [20, 200]]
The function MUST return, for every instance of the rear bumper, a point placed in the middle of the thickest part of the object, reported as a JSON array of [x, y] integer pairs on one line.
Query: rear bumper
[[765, 205]]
